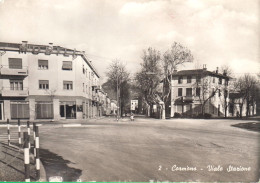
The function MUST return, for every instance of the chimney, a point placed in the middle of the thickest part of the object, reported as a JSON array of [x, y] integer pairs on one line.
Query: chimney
[[204, 67], [225, 72], [217, 71]]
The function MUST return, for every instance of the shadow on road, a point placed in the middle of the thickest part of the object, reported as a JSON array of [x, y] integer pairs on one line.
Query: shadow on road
[[253, 126], [55, 165]]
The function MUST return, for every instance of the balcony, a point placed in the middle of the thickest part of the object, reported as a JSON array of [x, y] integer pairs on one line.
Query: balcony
[[188, 98], [10, 92], [5, 70]]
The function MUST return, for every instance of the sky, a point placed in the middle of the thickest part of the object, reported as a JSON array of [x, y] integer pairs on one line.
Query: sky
[[218, 32]]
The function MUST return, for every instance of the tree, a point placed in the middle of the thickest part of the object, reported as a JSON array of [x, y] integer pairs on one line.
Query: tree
[[149, 77], [176, 56], [154, 70], [118, 77], [245, 85], [227, 71], [202, 88]]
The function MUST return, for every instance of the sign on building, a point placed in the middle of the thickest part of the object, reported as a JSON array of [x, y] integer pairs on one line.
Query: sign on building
[[134, 104]]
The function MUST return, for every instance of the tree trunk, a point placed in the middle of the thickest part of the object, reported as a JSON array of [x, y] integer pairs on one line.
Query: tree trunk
[[163, 111], [151, 111], [241, 110]]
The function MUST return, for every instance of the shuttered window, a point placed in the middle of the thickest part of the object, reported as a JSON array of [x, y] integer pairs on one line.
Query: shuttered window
[[15, 63], [67, 65], [67, 85], [20, 110], [43, 64], [44, 110], [189, 92], [16, 84], [179, 92], [44, 84]]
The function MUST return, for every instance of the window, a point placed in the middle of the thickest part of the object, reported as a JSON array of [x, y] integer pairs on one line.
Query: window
[[67, 85], [43, 84], [226, 82], [213, 92], [83, 87], [220, 81], [43, 64], [198, 79], [219, 93], [67, 65], [188, 79], [180, 79], [213, 80], [189, 92], [179, 92], [15, 63], [16, 84], [83, 69], [197, 91]]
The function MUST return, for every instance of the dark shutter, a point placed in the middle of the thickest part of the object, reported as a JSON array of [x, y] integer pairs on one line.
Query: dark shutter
[[20, 110], [15, 63], [67, 65]]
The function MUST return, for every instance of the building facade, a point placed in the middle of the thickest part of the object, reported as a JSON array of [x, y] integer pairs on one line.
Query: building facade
[[193, 89], [39, 82]]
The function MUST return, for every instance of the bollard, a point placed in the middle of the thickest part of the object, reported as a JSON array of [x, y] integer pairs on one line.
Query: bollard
[[26, 138], [28, 129], [37, 145], [19, 133], [34, 125], [8, 132]]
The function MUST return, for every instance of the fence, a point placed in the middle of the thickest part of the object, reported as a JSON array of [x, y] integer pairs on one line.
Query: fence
[[26, 145]]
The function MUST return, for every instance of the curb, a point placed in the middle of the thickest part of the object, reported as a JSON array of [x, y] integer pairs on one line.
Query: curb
[[43, 177]]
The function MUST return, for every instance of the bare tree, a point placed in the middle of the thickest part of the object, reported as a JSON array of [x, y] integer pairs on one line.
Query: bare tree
[[245, 85], [176, 56], [204, 89], [118, 77], [149, 77], [228, 72]]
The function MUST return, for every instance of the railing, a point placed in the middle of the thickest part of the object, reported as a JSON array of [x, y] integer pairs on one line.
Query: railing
[[14, 70], [188, 98], [14, 91]]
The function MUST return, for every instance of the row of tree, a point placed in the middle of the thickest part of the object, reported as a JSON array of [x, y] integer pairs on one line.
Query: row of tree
[[157, 70]]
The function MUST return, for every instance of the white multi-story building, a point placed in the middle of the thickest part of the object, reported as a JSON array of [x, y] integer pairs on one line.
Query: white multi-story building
[[190, 89], [47, 82]]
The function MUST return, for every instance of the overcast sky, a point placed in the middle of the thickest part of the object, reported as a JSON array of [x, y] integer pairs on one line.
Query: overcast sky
[[216, 31]]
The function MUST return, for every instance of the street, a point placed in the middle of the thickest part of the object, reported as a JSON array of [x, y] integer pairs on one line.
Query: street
[[147, 150]]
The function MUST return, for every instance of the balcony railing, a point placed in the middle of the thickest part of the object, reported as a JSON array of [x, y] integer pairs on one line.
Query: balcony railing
[[188, 98], [5, 70], [14, 92]]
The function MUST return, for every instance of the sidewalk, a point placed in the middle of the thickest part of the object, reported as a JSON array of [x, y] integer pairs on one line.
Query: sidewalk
[[12, 164]]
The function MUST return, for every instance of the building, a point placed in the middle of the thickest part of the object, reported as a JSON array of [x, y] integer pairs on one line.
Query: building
[[192, 89], [238, 105], [39, 82]]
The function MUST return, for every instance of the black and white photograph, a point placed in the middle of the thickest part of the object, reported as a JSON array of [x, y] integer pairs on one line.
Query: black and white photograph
[[129, 91]]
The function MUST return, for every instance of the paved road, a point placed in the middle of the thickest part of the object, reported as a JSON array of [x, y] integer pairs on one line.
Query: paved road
[[148, 150]]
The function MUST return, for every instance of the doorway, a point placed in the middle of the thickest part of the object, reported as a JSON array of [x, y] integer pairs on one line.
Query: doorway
[[68, 110]]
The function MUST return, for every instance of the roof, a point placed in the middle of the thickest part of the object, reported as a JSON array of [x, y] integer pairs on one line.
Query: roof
[[35, 49], [199, 72]]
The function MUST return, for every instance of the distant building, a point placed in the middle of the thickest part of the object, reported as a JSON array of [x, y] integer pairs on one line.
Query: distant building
[[191, 88], [238, 104], [47, 82]]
